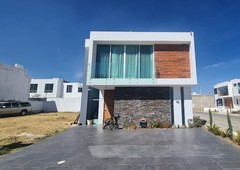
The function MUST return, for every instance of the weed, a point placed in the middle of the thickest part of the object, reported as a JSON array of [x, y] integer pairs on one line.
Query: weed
[[215, 130], [237, 137]]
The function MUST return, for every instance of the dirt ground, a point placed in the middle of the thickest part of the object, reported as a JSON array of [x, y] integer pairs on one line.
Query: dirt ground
[[20, 131]]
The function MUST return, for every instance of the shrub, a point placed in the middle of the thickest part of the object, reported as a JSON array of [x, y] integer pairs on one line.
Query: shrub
[[133, 126], [215, 130], [237, 137], [155, 124], [197, 121]]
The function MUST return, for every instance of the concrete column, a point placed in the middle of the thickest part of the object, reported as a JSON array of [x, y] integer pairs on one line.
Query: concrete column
[[84, 103], [101, 107], [177, 106], [188, 104]]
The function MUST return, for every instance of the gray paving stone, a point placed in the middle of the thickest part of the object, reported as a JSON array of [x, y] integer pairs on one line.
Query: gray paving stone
[[163, 167], [202, 166], [91, 147]]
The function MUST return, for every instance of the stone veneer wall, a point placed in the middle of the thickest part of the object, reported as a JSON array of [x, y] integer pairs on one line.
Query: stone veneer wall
[[134, 103]]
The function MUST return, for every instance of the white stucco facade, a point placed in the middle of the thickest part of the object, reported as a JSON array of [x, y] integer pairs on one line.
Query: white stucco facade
[[14, 82], [227, 95], [57, 90], [181, 86]]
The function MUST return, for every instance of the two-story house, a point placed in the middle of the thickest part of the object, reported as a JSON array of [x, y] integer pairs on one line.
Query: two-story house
[[140, 75], [227, 95]]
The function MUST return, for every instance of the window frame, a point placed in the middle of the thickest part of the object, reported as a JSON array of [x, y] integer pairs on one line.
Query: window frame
[[33, 88], [15, 105], [124, 61], [48, 88], [79, 91], [69, 88]]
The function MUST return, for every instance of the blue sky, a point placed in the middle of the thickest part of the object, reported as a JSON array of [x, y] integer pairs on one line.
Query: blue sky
[[47, 36]]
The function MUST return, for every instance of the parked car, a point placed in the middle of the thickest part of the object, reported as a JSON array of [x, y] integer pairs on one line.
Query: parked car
[[15, 107]]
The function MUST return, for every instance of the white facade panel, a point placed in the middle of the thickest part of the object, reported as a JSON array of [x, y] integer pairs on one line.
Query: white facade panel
[[177, 106], [74, 93], [188, 104], [41, 93], [101, 107]]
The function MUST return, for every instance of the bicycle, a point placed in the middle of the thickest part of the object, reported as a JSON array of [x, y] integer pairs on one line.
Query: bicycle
[[112, 123]]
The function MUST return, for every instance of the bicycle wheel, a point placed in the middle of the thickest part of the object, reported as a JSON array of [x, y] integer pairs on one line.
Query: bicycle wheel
[[108, 122]]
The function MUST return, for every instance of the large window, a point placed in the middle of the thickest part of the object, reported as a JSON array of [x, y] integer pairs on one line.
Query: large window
[[48, 88], [146, 61], [117, 54], [69, 89], [219, 102], [124, 61], [33, 88], [132, 52], [102, 61], [223, 91]]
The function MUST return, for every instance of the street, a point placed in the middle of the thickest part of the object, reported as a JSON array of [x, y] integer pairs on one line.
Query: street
[[220, 119]]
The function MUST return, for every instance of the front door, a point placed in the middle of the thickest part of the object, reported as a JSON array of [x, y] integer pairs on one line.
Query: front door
[[108, 104]]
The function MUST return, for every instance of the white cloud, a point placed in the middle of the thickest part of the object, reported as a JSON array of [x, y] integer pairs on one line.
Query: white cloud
[[78, 75], [230, 63], [214, 65]]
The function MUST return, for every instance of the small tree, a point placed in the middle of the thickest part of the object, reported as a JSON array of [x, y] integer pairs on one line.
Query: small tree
[[230, 128], [210, 118]]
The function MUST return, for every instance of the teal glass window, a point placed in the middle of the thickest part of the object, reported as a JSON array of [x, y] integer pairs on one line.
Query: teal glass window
[[132, 64], [112, 61], [117, 59], [102, 61], [146, 61]]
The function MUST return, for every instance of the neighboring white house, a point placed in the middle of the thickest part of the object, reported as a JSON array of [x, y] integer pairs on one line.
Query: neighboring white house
[[46, 88], [55, 95], [227, 95], [139, 75], [14, 82]]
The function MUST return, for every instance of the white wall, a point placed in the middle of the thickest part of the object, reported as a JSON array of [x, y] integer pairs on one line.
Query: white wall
[[14, 83], [57, 88], [57, 105], [62, 105], [74, 92], [101, 107], [37, 106], [188, 104], [177, 106]]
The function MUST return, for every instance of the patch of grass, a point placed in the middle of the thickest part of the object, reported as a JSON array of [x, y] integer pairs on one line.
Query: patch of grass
[[21, 131]]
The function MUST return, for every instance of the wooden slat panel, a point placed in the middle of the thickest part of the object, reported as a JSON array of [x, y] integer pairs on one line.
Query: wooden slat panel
[[172, 61], [108, 104]]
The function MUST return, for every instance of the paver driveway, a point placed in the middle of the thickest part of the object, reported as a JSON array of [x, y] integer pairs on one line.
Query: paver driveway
[[89, 147]]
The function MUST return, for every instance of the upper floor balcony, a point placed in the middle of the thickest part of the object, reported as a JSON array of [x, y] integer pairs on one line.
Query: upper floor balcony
[[127, 63]]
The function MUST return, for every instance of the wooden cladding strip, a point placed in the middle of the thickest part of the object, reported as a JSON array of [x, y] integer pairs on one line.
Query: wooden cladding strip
[[171, 47], [172, 61]]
